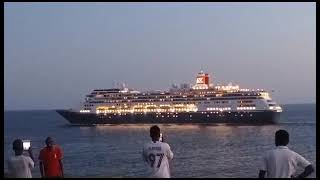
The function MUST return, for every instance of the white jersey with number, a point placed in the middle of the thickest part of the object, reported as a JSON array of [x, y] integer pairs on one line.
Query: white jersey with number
[[282, 162], [157, 155]]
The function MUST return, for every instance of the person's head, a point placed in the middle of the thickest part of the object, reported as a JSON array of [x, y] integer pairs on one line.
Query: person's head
[[155, 133], [17, 146], [282, 138], [49, 142]]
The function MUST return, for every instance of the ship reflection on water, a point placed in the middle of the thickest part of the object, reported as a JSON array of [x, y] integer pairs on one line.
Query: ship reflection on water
[[168, 129]]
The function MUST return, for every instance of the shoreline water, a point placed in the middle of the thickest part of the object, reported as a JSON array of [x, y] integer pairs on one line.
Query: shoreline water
[[114, 151]]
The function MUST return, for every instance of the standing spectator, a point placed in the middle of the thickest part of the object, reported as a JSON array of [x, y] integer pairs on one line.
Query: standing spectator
[[157, 155], [19, 166], [283, 162], [50, 160]]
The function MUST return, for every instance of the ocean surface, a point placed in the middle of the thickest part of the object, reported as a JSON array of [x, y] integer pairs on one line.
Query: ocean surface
[[199, 151]]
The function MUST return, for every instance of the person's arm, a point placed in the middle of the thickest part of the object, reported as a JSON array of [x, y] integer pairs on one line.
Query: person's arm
[[60, 156], [41, 169], [169, 153], [262, 173], [302, 162], [61, 167], [307, 171], [9, 169], [41, 166], [31, 154], [144, 156], [263, 167]]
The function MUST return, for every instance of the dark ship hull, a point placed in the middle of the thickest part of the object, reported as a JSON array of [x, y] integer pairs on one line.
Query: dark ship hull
[[249, 118]]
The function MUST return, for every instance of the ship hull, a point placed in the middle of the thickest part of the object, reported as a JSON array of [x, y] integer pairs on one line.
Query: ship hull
[[249, 118]]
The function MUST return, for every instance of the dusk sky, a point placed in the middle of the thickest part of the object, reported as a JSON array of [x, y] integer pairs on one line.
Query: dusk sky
[[56, 53]]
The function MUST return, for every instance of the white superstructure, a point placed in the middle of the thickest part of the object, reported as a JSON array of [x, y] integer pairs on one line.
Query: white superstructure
[[201, 97]]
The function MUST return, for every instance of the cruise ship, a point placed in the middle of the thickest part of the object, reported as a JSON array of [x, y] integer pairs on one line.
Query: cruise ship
[[202, 102]]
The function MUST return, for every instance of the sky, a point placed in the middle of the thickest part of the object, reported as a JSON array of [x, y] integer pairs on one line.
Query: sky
[[56, 53]]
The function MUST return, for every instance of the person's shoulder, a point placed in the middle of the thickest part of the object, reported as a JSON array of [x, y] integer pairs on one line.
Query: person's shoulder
[[287, 151], [293, 153], [57, 148], [269, 152], [28, 158], [43, 150], [145, 145], [165, 144], [9, 159]]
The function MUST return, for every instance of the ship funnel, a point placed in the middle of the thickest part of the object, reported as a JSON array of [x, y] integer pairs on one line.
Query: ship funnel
[[202, 81], [203, 78]]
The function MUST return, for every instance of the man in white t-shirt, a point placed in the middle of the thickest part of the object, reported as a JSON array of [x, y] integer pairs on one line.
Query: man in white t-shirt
[[19, 166], [283, 162], [157, 154]]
